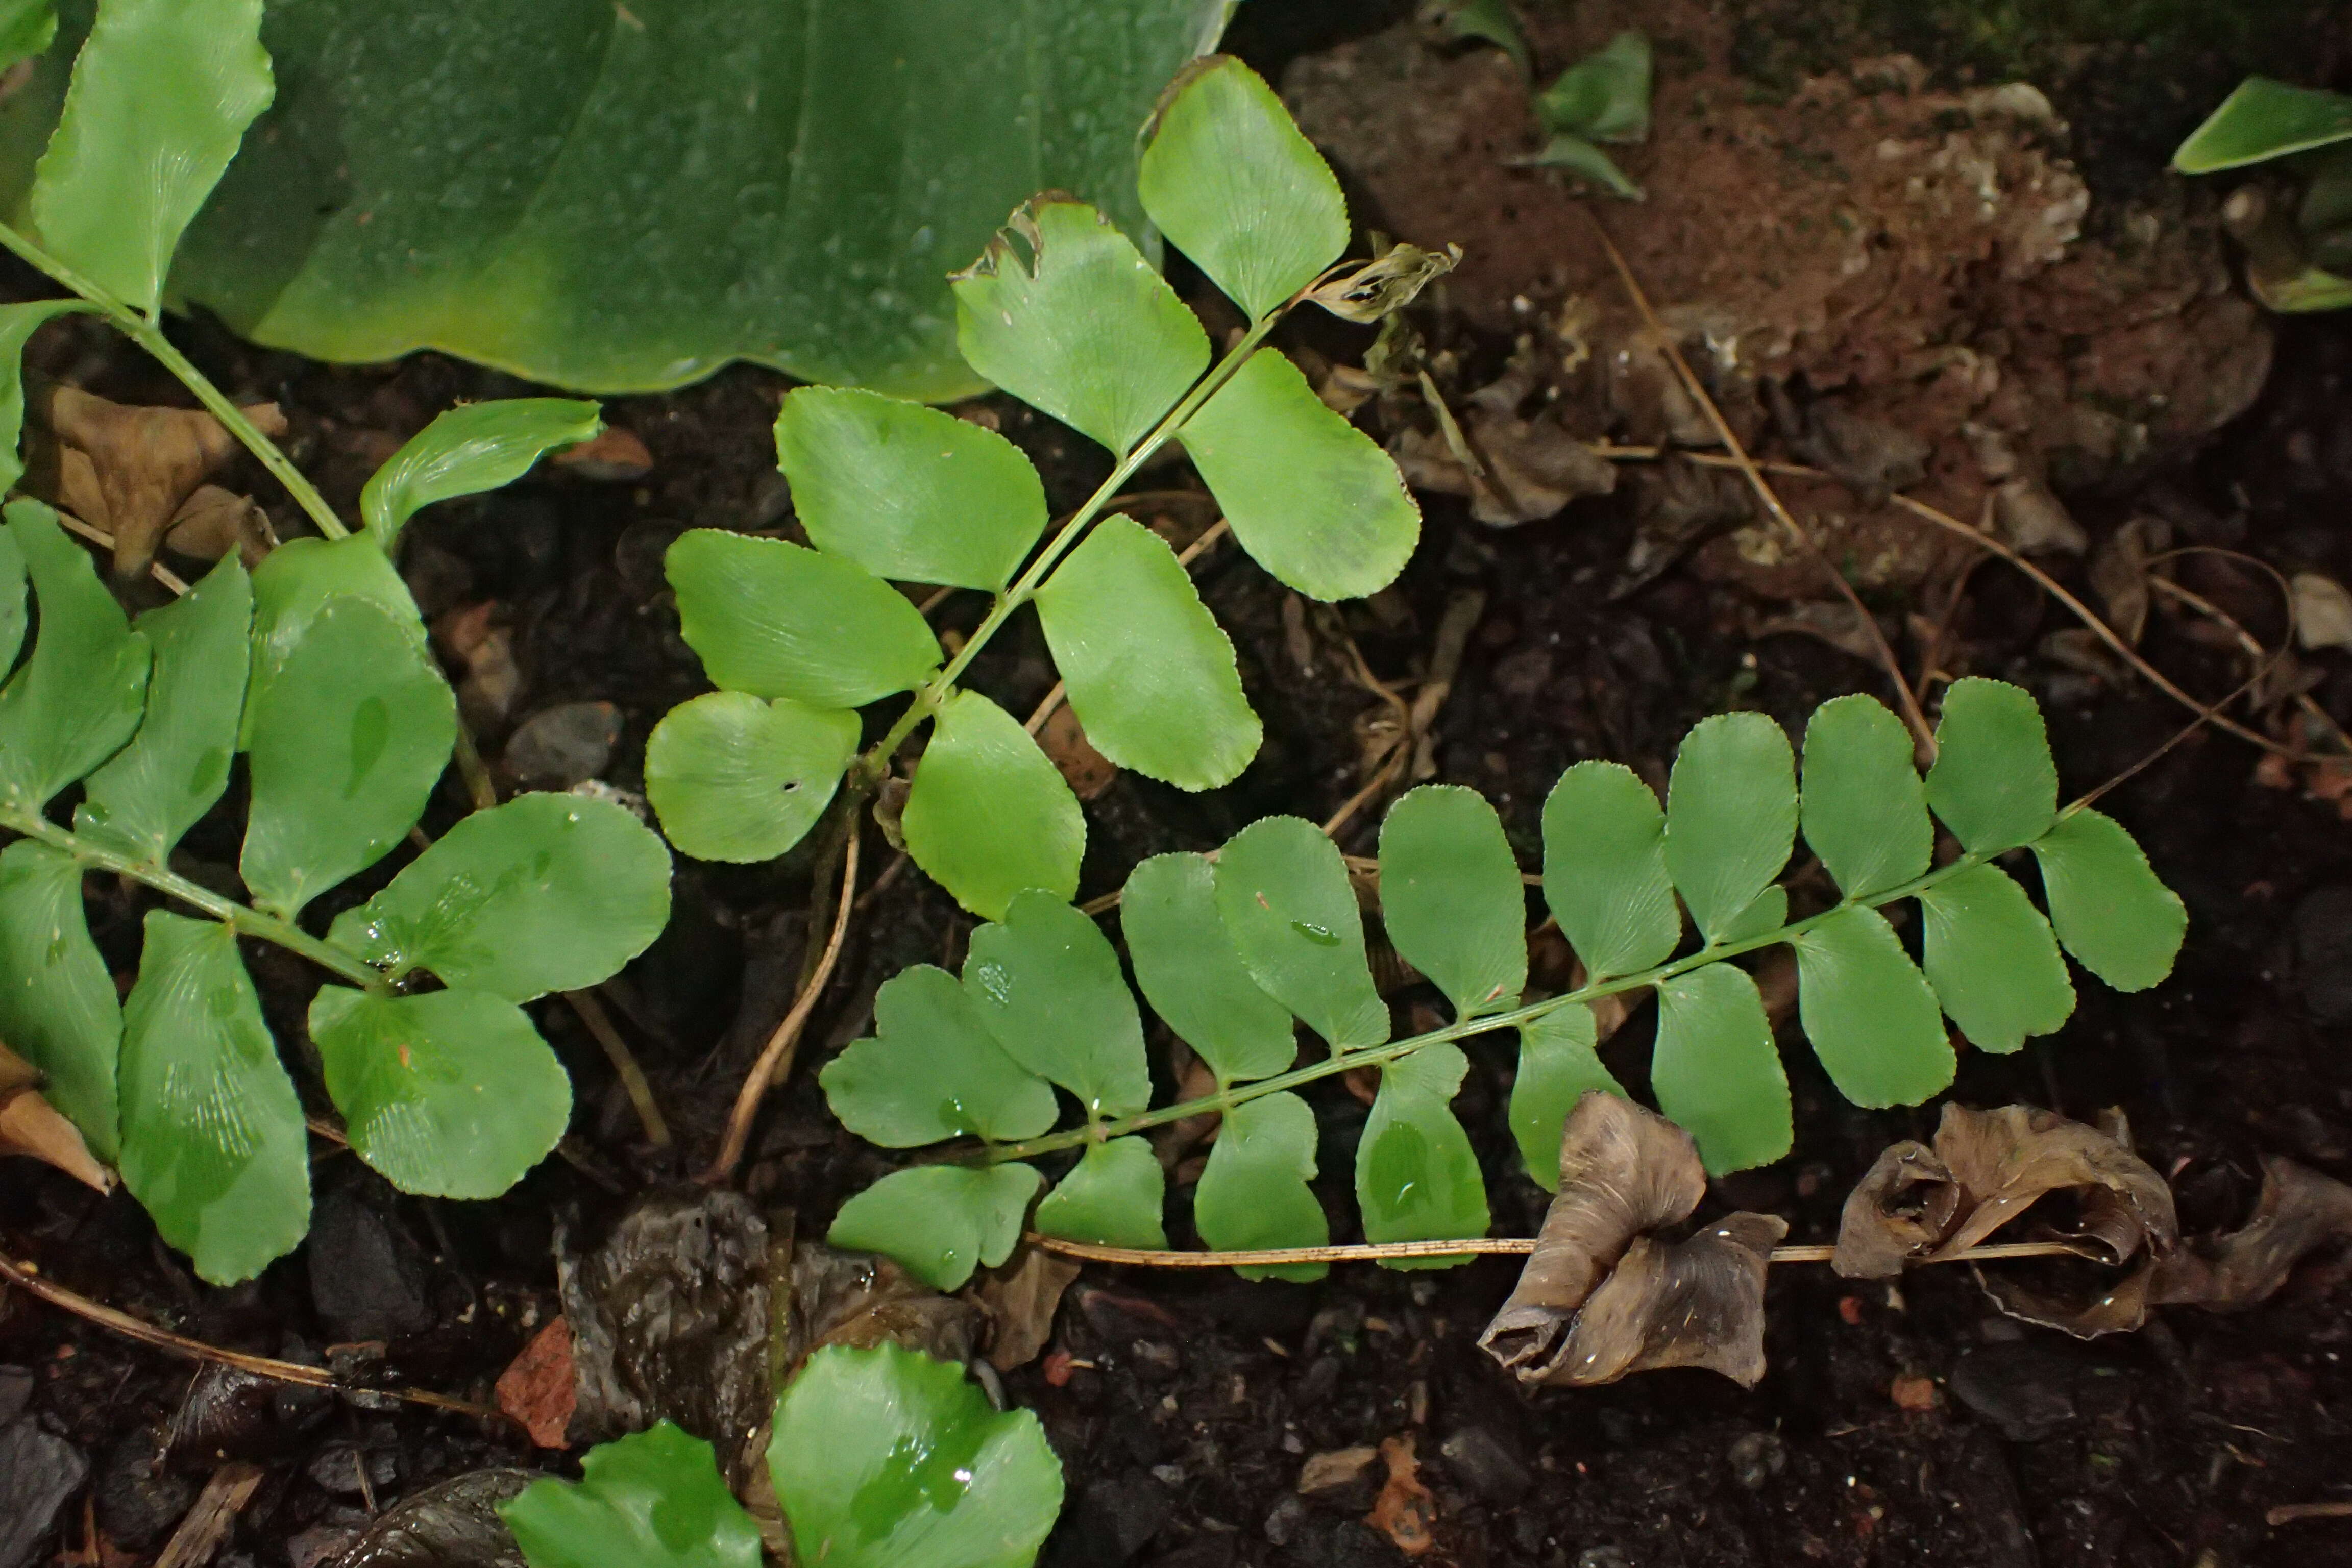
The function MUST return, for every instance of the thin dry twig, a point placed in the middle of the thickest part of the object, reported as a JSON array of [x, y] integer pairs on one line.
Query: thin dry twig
[[1912, 715], [105, 541], [206, 1522], [775, 1062], [616, 1051], [25, 1278], [1504, 1246], [2288, 1512]]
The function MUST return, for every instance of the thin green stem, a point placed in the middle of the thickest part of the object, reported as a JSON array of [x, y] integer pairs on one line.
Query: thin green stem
[[934, 691], [1227, 1099], [242, 918], [148, 333]]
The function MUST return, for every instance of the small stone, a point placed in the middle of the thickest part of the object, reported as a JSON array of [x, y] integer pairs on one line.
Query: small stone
[[2323, 952], [1288, 1520], [1329, 1472], [564, 745], [39, 1471], [2022, 1390], [366, 1279], [1603, 1557], [1755, 1458], [1487, 1465], [335, 1469], [137, 1498], [1913, 1393]]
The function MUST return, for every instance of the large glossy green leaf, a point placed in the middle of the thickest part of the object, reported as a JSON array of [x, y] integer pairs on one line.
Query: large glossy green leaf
[[1450, 897], [1046, 983], [1715, 1071], [213, 1142], [887, 1458], [13, 616], [1558, 1065], [1868, 1012], [17, 325], [1994, 783], [1731, 816], [1192, 976], [298, 582], [1606, 869], [177, 765], [989, 815], [161, 93], [78, 699], [1254, 1192], [58, 1004], [1416, 1177], [1865, 809], [1990, 955], [2262, 120], [653, 1500], [1064, 312], [776, 619], [940, 1221], [1111, 1197], [1283, 895], [472, 447], [623, 199], [548, 892], [932, 1071], [735, 777], [451, 1094], [1311, 498], [908, 492], [1230, 181], [1151, 673], [347, 744], [2107, 905]]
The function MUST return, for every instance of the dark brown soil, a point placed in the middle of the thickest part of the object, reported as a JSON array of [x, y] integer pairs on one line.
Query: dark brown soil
[[1190, 1405]]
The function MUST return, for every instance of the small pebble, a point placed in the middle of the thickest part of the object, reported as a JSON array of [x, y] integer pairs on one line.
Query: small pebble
[[561, 746], [1755, 1458]]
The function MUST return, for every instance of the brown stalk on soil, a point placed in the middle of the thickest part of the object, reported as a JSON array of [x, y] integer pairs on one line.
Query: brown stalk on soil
[[776, 1057], [1481, 1245], [25, 1278]]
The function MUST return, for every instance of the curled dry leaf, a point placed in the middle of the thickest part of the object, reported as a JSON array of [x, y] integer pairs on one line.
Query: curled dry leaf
[[29, 1125], [1600, 1297], [1020, 1299], [1679, 503], [1513, 470], [1869, 456], [2298, 1212], [214, 522], [127, 470], [2119, 572], [1064, 740], [1986, 1168], [1384, 285], [612, 455]]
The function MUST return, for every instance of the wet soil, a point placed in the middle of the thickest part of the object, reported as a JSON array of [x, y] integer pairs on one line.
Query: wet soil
[[1185, 1408]]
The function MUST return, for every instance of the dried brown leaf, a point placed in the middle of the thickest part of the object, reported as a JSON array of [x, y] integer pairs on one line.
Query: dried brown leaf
[[2006, 1161], [1623, 1170], [1869, 456], [124, 469], [31, 1126], [214, 522], [2299, 1212], [1385, 285], [1699, 1303], [611, 455], [1902, 1207], [1064, 740], [1020, 1299], [1679, 503]]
